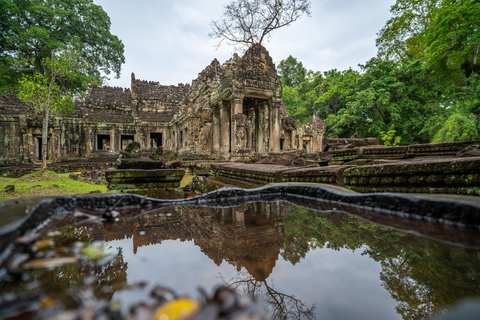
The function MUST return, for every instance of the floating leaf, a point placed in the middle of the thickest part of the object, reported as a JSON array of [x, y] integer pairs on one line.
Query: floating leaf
[[49, 263], [177, 310], [95, 252], [42, 244]]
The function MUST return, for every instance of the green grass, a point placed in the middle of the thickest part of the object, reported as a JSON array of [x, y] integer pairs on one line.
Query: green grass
[[44, 182]]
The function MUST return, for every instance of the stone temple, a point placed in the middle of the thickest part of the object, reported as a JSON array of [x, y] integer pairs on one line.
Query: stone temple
[[229, 111]]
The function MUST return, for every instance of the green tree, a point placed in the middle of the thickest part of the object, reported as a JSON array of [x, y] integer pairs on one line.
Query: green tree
[[387, 96], [46, 90], [453, 40], [300, 100], [335, 91], [403, 36], [292, 71], [458, 127], [32, 30]]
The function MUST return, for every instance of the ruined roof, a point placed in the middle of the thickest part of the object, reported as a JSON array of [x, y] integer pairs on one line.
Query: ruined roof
[[109, 117], [155, 116], [11, 105], [108, 96], [152, 90]]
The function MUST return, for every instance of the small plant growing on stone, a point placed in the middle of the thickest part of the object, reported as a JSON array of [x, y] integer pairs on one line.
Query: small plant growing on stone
[[389, 139]]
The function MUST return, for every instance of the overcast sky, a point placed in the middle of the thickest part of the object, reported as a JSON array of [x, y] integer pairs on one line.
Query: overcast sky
[[167, 40]]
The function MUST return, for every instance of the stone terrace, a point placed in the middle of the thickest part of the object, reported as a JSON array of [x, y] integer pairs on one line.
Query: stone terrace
[[449, 175]]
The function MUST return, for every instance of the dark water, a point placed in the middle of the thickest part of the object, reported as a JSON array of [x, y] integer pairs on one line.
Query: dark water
[[304, 264]]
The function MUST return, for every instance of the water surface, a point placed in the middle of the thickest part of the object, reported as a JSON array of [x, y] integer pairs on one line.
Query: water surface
[[304, 264]]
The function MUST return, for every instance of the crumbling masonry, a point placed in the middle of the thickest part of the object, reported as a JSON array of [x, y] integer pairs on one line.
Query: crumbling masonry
[[230, 110]]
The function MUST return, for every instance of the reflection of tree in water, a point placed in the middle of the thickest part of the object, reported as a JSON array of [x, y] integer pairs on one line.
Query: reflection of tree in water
[[422, 275], [284, 306]]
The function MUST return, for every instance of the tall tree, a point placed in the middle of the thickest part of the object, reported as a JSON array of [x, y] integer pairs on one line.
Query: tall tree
[[292, 71], [47, 91], [33, 29], [248, 22], [453, 41], [403, 36]]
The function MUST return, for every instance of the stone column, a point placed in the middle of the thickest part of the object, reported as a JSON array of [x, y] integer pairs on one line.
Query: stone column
[[216, 129], [236, 107], [260, 128], [293, 134], [224, 127], [274, 126], [238, 218]]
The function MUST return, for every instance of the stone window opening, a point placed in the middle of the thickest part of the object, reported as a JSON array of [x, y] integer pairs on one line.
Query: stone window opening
[[185, 135], [125, 139], [103, 142], [156, 139]]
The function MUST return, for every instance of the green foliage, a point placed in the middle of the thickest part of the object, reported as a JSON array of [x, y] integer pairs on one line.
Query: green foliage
[[389, 139], [292, 71], [454, 38], [458, 127], [429, 91], [387, 96], [33, 30], [47, 90], [300, 100], [403, 36]]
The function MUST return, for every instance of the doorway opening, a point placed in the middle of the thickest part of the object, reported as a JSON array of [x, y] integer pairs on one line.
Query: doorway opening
[[156, 139], [103, 142], [39, 152], [125, 139]]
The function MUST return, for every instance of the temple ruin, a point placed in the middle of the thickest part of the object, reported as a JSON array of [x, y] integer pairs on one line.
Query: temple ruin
[[229, 111]]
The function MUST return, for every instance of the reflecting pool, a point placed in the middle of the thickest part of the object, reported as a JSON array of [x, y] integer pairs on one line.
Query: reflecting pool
[[302, 263]]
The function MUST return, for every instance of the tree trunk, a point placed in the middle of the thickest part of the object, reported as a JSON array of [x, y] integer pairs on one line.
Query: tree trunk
[[475, 55], [45, 138]]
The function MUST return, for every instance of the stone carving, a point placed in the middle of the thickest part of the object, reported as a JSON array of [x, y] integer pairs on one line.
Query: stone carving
[[242, 130]]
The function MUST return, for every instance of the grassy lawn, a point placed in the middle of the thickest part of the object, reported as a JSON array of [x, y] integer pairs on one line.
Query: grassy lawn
[[44, 182]]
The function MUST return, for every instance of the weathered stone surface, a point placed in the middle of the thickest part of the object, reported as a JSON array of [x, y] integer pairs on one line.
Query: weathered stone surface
[[133, 179], [331, 175], [449, 149], [248, 175], [140, 163], [454, 175]]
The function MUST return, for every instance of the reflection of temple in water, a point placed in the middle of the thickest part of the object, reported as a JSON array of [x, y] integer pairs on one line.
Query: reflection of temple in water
[[248, 236]]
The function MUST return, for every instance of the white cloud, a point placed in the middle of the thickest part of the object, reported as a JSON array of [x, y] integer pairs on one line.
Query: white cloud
[[167, 41]]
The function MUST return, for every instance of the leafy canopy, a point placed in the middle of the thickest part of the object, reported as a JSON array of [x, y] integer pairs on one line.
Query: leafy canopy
[[32, 30], [292, 71], [403, 36]]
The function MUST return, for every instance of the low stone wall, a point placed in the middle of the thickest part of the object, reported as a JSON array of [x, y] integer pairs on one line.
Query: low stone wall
[[330, 175], [452, 175], [449, 149], [248, 175], [129, 180]]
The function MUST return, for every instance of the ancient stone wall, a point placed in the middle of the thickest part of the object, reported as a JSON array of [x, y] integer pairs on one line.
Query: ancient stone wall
[[230, 110]]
